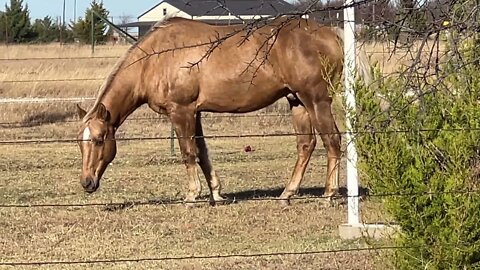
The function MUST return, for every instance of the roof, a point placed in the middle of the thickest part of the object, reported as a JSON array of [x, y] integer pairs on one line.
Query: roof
[[213, 22], [236, 7]]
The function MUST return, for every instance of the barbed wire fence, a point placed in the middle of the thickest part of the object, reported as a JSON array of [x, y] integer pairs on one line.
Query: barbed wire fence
[[383, 24]]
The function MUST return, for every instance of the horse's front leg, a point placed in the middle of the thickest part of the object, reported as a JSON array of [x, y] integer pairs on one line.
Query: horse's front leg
[[206, 165], [183, 120]]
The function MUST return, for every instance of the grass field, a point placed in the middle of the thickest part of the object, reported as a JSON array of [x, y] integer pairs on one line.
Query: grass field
[[145, 171]]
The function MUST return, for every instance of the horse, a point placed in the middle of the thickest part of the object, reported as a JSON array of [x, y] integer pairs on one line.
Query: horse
[[183, 67]]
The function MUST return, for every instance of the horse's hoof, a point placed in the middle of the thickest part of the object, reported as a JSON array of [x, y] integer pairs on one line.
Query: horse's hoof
[[189, 204], [219, 201], [331, 201], [284, 202]]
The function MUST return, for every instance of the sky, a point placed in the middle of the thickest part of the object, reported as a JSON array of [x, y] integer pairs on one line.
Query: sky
[[54, 8]]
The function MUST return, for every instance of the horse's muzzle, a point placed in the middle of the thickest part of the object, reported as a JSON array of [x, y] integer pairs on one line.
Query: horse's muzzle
[[89, 184]]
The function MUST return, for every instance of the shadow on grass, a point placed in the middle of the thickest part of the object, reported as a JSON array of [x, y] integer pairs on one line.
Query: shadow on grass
[[235, 197], [38, 119]]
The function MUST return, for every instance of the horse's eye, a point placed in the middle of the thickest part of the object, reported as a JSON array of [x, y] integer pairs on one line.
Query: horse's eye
[[98, 142]]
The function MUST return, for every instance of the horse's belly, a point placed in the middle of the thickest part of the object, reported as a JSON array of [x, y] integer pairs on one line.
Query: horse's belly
[[238, 100]]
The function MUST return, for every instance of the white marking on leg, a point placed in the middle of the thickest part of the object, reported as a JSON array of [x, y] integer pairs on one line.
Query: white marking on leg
[[86, 134]]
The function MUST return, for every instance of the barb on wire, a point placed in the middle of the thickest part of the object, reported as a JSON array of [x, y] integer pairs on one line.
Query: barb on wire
[[202, 257]]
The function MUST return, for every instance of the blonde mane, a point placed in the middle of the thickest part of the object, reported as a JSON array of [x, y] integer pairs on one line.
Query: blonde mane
[[104, 87]]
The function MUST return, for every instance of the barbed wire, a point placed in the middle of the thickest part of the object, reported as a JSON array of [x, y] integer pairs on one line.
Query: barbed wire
[[202, 257], [27, 123], [53, 80], [60, 58], [237, 136], [112, 206], [118, 57]]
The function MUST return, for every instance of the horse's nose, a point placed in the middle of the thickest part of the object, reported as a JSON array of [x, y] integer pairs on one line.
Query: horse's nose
[[89, 184]]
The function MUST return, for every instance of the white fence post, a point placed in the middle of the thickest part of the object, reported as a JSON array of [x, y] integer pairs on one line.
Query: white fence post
[[349, 74], [354, 228]]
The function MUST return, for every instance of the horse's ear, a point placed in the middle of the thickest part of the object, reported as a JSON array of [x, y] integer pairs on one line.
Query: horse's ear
[[103, 113], [81, 112]]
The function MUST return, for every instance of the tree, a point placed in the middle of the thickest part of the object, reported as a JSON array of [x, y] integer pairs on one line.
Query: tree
[[45, 29], [82, 29], [15, 23]]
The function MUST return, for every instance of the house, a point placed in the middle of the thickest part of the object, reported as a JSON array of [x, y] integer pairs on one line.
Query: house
[[217, 12]]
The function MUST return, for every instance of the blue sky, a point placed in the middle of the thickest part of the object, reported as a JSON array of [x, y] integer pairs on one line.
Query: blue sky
[[53, 8]]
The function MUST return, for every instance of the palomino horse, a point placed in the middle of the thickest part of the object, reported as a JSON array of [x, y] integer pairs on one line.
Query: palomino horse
[[232, 71]]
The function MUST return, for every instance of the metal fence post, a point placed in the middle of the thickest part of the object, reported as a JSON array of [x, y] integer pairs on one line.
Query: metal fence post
[[172, 141]]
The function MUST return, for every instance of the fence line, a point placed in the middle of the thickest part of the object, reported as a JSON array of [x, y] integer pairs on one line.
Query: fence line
[[133, 119], [201, 257], [60, 58], [118, 57], [54, 80], [43, 100], [112, 206], [237, 136]]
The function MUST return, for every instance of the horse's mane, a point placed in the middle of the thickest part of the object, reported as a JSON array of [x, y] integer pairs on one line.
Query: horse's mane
[[104, 88]]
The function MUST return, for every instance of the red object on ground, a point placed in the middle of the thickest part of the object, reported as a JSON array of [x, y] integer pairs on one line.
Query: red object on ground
[[248, 149]]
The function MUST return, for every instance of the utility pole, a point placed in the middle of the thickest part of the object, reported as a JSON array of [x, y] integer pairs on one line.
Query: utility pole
[[62, 26], [93, 31], [75, 11]]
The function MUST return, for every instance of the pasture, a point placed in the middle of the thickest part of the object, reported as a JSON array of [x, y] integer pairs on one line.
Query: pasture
[[145, 171]]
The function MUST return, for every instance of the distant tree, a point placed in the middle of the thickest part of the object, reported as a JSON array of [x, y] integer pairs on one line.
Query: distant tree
[[45, 30], [124, 19], [82, 29], [15, 23]]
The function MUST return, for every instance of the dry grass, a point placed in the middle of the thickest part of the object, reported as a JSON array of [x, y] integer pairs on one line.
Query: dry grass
[[144, 170], [390, 58]]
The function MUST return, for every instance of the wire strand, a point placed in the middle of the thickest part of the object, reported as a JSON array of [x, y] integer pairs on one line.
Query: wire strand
[[238, 136], [153, 202], [202, 257]]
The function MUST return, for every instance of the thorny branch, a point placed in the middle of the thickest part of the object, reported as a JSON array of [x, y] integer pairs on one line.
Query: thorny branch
[[406, 27], [247, 29]]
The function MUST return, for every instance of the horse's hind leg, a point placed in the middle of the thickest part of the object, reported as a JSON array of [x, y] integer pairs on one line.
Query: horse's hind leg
[[306, 142], [318, 103], [205, 163]]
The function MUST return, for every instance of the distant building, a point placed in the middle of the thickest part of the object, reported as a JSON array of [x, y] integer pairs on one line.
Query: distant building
[[210, 11]]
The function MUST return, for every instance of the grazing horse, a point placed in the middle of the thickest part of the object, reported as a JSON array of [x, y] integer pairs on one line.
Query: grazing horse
[[184, 67]]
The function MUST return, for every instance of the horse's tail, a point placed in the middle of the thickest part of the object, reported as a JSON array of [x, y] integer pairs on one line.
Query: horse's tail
[[363, 65], [364, 69]]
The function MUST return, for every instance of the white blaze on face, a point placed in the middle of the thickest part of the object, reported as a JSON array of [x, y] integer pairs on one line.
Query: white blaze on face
[[86, 135]]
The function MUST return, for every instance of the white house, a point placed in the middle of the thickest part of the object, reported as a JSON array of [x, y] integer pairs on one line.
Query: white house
[[218, 12]]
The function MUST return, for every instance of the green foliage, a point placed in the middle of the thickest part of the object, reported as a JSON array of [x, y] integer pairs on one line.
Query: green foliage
[[83, 28], [15, 23], [427, 143], [45, 29]]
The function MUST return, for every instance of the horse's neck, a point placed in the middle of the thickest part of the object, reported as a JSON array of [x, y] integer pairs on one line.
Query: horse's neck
[[121, 100]]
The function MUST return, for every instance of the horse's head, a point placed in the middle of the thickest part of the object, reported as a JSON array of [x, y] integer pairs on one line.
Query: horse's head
[[96, 139]]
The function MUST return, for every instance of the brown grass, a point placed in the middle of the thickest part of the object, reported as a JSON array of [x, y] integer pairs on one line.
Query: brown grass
[[144, 170]]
